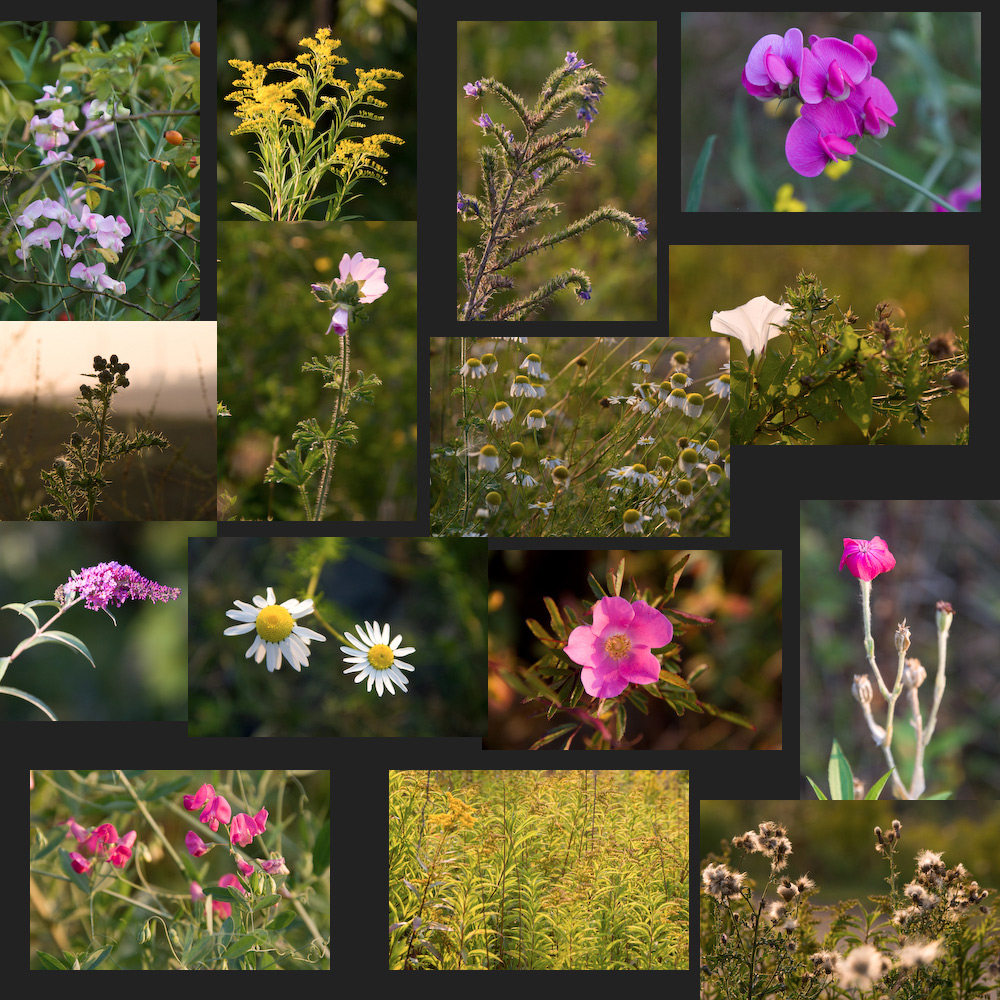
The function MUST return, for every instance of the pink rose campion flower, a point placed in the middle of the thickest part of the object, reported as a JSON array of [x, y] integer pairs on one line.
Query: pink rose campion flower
[[867, 558], [614, 651]]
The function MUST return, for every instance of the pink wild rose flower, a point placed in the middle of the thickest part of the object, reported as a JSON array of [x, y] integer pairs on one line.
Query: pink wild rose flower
[[614, 651], [867, 558]]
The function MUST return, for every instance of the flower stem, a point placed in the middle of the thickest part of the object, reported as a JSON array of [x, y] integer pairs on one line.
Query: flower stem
[[906, 180], [330, 447]]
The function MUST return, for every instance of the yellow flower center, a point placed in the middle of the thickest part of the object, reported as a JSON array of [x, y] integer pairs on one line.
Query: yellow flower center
[[381, 656], [274, 623], [617, 646]]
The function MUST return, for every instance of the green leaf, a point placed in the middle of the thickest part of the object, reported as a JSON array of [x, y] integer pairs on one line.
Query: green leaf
[[265, 901], [48, 961], [37, 702], [698, 177], [254, 213], [94, 961], [321, 850], [816, 789], [596, 587], [63, 638], [25, 610], [841, 777], [555, 618], [938, 795], [876, 789], [282, 920], [856, 402], [240, 946]]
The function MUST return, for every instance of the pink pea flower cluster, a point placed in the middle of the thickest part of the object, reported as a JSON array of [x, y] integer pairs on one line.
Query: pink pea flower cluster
[[841, 98], [103, 842], [215, 809]]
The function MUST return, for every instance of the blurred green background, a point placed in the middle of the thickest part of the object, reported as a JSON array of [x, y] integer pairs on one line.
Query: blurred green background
[[931, 63], [140, 671], [946, 550], [270, 323], [374, 34], [621, 140], [834, 842], [432, 591], [927, 285], [741, 590]]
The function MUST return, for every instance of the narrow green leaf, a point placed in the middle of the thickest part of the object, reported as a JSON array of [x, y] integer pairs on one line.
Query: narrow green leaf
[[37, 702], [264, 902], [841, 777], [816, 789], [876, 789], [240, 946], [698, 177], [94, 961], [254, 213], [48, 961], [63, 638], [554, 734], [321, 850], [555, 618], [938, 795], [25, 610], [596, 587]]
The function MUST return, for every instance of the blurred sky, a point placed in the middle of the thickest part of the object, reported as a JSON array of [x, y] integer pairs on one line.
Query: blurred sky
[[56, 355]]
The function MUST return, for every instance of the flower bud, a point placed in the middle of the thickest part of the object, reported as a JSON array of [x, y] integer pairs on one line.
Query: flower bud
[[944, 615]]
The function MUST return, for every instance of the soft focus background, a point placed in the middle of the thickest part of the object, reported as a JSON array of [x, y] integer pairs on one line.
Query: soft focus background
[[621, 140], [140, 671], [927, 285], [946, 550], [741, 590], [374, 34], [834, 841], [432, 591], [931, 63], [270, 323]]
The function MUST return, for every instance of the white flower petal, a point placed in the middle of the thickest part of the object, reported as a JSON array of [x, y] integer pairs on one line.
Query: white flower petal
[[754, 323]]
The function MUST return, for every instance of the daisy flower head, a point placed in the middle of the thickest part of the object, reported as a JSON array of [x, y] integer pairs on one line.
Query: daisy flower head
[[277, 635], [374, 658]]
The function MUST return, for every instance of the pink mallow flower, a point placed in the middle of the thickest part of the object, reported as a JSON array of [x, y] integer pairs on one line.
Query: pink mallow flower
[[867, 558], [244, 827], [366, 272], [819, 137], [614, 651]]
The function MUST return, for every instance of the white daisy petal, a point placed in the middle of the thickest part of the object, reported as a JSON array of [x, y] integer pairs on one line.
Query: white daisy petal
[[277, 637], [375, 660]]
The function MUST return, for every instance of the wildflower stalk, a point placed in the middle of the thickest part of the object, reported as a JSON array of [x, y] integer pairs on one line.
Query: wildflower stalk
[[906, 180], [330, 444]]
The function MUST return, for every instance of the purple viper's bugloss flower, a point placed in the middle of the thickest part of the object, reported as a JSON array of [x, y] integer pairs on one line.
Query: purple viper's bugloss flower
[[484, 121], [473, 89]]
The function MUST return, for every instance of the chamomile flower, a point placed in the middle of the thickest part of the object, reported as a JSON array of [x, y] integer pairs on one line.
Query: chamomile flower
[[277, 634], [374, 658]]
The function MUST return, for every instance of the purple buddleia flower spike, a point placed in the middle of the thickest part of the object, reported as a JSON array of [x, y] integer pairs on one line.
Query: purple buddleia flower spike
[[111, 582]]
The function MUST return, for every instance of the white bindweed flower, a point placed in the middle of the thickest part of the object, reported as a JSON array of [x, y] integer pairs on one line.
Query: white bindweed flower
[[754, 323], [277, 634], [374, 658]]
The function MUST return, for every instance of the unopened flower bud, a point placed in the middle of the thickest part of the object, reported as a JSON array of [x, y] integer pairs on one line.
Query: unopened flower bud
[[944, 615], [914, 673], [902, 637]]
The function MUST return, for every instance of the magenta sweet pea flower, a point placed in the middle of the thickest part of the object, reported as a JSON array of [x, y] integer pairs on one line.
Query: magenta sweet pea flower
[[204, 794], [773, 64], [79, 862], [873, 105], [244, 828], [216, 812], [830, 67], [819, 137], [614, 651], [195, 845], [961, 198], [867, 558]]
